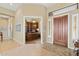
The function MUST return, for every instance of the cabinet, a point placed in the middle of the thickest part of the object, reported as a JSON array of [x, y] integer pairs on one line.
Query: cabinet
[[31, 27], [31, 31], [32, 36]]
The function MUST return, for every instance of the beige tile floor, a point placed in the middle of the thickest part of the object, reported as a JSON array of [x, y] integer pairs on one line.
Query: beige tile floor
[[8, 45], [11, 48], [58, 49]]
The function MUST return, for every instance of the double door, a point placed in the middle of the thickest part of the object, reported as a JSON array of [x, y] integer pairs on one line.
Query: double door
[[61, 30]]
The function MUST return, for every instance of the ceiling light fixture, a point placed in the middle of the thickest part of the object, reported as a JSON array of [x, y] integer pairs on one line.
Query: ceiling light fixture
[[34, 21]]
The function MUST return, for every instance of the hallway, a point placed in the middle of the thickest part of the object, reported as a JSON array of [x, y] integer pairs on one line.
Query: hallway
[[38, 29]]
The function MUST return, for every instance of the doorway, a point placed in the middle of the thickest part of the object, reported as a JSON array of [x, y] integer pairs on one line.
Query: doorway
[[3, 28], [6, 25], [33, 30], [61, 30]]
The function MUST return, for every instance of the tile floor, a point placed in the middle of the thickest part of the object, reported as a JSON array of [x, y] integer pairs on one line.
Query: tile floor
[[12, 48], [8, 45]]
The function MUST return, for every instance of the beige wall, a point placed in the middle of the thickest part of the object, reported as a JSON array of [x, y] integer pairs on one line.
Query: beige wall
[[37, 10], [29, 10], [18, 36]]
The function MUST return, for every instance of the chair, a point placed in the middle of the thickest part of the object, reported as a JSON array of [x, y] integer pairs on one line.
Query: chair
[[76, 44], [1, 36]]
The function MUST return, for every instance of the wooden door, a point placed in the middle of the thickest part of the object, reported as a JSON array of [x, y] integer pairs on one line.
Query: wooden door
[[61, 30]]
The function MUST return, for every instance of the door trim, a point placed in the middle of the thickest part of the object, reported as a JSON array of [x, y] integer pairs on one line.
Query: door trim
[[68, 42], [41, 26]]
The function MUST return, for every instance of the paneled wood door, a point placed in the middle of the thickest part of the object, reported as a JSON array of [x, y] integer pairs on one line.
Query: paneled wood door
[[61, 30]]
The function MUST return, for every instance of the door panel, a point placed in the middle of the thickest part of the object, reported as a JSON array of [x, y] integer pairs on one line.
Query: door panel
[[61, 30]]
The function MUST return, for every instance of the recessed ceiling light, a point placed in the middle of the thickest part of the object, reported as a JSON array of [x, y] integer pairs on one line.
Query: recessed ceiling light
[[34, 21]]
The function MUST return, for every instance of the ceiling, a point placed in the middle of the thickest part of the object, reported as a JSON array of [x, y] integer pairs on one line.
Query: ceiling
[[10, 6], [14, 6]]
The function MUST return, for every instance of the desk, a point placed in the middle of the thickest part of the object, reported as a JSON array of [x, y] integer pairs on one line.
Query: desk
[[32, 36], [1, 36]]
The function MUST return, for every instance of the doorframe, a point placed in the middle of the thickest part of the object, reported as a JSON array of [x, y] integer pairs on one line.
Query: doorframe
[[68, 42], [77, 16], [49, 38], [41, 26], [76, 24]]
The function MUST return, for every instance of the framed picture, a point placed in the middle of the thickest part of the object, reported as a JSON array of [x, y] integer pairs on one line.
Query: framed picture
[[18, 27]]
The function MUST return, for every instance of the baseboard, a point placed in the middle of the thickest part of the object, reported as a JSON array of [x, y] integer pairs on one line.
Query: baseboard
[[71, 48]]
